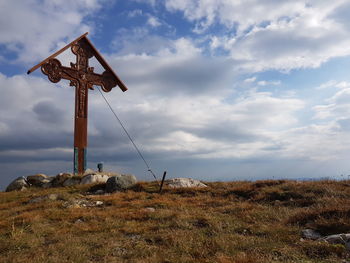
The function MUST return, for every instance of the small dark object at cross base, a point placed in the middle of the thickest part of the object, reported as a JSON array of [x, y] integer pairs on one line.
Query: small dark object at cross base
[[100, 167]]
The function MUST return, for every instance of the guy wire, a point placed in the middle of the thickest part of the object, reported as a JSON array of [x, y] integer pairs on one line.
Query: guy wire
[[127, 133]]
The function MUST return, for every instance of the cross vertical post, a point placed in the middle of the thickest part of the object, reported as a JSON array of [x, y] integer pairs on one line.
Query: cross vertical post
[[83, 54]]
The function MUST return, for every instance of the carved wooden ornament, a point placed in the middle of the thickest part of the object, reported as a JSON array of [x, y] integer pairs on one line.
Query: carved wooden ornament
[[83, 78]]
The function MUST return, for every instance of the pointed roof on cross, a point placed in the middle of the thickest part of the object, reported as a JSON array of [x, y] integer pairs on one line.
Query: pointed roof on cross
[[97, 55]]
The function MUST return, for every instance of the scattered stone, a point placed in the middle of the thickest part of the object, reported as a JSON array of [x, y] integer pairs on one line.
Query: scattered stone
[[119, 252], [72, 181], [52, 197], [72, 204], [99, 192], [78, 203], [47, 185], [120, 182], [89, 171], [37, 200], [310, 234], [343, 239], [78, 221], [94, 179], [133, 237], [184, 182], [277, 202], [38, 180], [19, 184], [60, 179], [98, 203], [149, 209]]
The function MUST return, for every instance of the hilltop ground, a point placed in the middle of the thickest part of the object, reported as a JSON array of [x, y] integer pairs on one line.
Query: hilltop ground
[[242, 222]]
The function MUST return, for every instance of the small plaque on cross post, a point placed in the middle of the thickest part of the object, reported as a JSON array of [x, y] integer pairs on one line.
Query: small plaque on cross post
[[83, 78]]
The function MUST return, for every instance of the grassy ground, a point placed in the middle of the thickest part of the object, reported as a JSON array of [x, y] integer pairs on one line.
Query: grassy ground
[[240, 222]]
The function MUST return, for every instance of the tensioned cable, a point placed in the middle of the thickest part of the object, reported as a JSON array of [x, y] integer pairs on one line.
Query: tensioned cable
[[127, 133]]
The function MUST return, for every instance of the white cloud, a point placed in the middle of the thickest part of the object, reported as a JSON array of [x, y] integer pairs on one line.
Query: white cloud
[[139, 40], [338, 105], [250, 80], [269, 83], [153, 21], [242, 14], [134, 13], [33, 28], [39, 115], [173, 67], [333, 84], [272, 34]]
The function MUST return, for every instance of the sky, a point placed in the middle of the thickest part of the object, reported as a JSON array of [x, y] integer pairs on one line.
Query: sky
[[218, 90]]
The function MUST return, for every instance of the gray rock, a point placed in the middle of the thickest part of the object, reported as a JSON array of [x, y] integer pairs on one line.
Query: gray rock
[[98, 203], [60, 179], [38, 180], [99, 192], [89, 171], [52, 197], [79, 203], [72, 181], [343, 239], [18, 184], [110, 174], [184, 183], [120, 182], [37, 199], [47, 185], [94, 179], [149, 209], [310, 234]]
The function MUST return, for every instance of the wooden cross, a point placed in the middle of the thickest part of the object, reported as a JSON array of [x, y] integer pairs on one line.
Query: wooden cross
[[83, 78]]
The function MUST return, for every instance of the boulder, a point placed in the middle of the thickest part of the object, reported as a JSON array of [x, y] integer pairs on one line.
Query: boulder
[[89, 171], [343, 239], [184, 182], [38, 180], [110, 174], [94, 179], [72, 181], [120, 182], [310, 234], [18, 184], [48, 184], [60, 179]]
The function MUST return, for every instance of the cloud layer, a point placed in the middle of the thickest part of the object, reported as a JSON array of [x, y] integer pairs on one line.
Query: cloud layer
[[198, 100]]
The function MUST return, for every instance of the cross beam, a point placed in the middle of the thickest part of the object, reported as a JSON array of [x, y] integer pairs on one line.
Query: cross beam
[[83, 78]]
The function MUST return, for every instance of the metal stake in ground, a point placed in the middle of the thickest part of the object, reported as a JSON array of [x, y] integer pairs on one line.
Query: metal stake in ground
[[161, 185], [83, 78]]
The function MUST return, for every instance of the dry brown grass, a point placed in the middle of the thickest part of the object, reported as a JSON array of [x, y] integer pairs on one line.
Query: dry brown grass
[[239, 222]]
